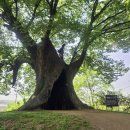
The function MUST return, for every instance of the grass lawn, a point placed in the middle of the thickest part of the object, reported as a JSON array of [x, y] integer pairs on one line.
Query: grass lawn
[[41, 120]]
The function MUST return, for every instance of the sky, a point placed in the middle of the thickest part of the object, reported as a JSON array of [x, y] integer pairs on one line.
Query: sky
[[123, 82]]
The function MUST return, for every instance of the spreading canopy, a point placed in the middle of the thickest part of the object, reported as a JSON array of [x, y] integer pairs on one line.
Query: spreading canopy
[[84, 26]]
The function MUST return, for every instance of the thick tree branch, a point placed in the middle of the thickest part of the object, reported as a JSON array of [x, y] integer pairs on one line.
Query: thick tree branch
[[78, 62], [74, 66], [16, 8], [75, 52], [16, 66], [94, 10], [117, 30], [117, 25], [103, 9], [15, 26], [53, 6], [23, 36], [114, 27], [49, 27], [109, 18], [37, 3]]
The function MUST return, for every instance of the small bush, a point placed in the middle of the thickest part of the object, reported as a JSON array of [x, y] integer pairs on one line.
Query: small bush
[[14, 106]]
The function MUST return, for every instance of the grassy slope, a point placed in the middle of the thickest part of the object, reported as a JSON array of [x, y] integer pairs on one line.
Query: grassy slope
[[40, 120]]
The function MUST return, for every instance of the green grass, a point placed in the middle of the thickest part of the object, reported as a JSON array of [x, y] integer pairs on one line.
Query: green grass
[[41, 120]]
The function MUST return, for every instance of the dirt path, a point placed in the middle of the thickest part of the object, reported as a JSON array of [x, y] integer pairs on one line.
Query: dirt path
[[102, 120]]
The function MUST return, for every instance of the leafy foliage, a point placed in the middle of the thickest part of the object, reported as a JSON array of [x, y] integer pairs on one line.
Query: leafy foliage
[[83, 25], [90, 85]]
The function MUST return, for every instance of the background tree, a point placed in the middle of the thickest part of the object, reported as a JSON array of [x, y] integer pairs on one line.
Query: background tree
[[38, 24], [90, 86]]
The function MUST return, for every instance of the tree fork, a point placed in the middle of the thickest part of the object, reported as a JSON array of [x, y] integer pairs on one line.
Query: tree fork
[[54, 86]]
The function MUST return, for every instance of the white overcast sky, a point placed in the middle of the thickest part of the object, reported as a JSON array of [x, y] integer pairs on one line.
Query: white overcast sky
[[123, 82]]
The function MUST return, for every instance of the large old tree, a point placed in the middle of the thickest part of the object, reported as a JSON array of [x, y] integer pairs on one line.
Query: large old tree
[[43, 25]]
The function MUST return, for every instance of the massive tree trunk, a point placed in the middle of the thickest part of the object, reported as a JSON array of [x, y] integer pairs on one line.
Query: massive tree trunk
[[54, 81]]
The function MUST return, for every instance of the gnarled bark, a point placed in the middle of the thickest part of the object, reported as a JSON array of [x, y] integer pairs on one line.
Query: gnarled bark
[[63, 96], [54, 81]]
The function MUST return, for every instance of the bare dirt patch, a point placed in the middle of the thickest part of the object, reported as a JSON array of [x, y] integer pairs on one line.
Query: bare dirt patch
[[102, 120]]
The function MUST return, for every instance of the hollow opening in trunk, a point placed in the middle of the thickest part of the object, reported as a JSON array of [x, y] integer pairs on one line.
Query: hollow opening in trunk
[[59, 98]]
